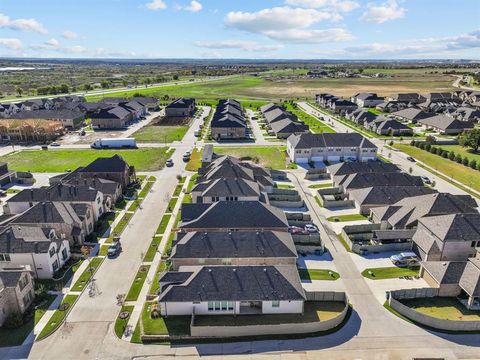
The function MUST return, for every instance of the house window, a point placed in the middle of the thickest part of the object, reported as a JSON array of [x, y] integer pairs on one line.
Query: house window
[[98, 200], [218, 305], [55, 265], [64, 254], [5, 257], [52, 251], [224, 305], [276, 303], [26, 299], [24, 282], [230, 305], [210, 306]]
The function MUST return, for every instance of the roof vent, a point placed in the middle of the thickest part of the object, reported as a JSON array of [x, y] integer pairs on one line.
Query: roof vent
[[209, 270], [234, 270], [264, 269]]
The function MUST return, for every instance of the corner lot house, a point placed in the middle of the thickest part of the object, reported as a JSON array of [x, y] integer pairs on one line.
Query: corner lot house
[[367, 99], [239, 290], [16, 291], [38, 248], [306, 147], [445, 124], [111, 118], [229, 121], [183, 107]]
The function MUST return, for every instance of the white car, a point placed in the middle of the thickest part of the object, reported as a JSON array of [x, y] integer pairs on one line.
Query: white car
[[426, 180], [311, 228]]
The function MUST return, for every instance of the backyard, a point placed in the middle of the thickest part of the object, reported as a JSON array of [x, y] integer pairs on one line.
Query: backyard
[[149, 159], [268, 156], [443, 308]]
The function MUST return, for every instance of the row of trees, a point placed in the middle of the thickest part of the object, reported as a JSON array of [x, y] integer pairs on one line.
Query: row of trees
[[451, 155]]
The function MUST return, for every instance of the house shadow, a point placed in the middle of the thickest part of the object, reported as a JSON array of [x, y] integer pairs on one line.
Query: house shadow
[[281, 343]]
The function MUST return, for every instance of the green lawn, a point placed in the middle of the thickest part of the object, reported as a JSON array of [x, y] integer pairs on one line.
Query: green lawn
[[163, 224], [152, 249], [173, 325], [162, 266], [318, 274], [389, 272], [320, 186], [61, 160], [121, 324], [459, 172], [316, 126], [285, 186], [146, 189], [268, 156], [137, 283], [458, 149], [87, 274], [57, 318], [350, 217], [160, 134], [121, 225], [178, 190], [195, 161], [103, 250], [171, 204], [442, 308]]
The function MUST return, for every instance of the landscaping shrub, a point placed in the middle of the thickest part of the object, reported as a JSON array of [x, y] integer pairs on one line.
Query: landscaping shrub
[[473, 164], [445, 154], [458, 158], [439, 151], [433, 150], [451, 155], [465, 161], [428, 147], [413, 143]]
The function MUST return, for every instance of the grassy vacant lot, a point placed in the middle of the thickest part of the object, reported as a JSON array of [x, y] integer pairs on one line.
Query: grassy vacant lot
[[195, 161], [137, 283], [459, 172], [314, 311], [442, 308], [317, 274], [267, 156], [160, 134], [389, 272], [61, 160], [350, 217], [57, 317]]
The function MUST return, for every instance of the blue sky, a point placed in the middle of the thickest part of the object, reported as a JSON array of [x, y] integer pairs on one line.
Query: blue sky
[[293, 29]]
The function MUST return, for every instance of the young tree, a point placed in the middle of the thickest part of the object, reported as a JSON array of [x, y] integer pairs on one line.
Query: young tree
[[471, 139], [19, 91]]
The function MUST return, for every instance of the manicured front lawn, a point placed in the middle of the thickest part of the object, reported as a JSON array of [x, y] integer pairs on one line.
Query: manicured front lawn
[[442, 308], [152, 249], [173, 325], [138, 283], [451, 169], [268, 156], [163, 224], [61, 160], [57, 317], [349, 217], [285, 186], [87, 274], [318, 274], [458, 149], [121, 324], [162, 266], [389, 272], [160, 134], [320, 186]]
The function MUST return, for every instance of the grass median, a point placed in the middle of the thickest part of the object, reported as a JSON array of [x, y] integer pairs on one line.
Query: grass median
[[58, 316], [137, 284], [121, 324], [87, 274]]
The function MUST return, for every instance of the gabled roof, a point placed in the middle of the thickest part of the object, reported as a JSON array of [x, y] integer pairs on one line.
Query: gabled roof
[[363, 180], [308, 141], [446, 122], [49, 212], [228, 187], [237, 283], [454, 227], [289, 127], [412, 113], [21, 239], [110, 165], [9, 278], [181, 103], [235, 215], [350, 167], [445, 272], [58, 192], [470, 280], [381, 195], [116, 112], [53, 114], [237, 244], [393, 125]]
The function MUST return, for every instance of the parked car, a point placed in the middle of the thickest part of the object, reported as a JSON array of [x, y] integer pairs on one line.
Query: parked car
[[405, 259], [169, 163], [54, 144], [114, 249], [311, 228], [409, 158], [295, 230], [426, 180]]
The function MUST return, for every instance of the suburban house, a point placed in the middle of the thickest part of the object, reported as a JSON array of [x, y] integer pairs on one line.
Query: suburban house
[[465, 113], [341, 106], [232, 216], [38, 248], [114, 168], [455, 278], [367, 99], [363, 180], [451, 237], [88, 196], [406, 213], [228, 121], [411, 114], [30, 130], [182, 107], [233, 248], [111, 118], [16, 291], [217, 290], [391, 106], [284, 128], [408, 98], [384, 126], [136, 109], [6, 176], [227, 189], [351, 167], [361, 116], [150, 103], [445, 124], [306, 147], [71, 221], [70, 119]]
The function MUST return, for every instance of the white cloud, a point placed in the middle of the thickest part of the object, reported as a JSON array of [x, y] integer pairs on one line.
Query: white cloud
[[389, 10], [70, 35], [55, 45], [156, 5], [11, 43], [289, 24], [194, 6], [21, 24], [339, 5], [238, 44]]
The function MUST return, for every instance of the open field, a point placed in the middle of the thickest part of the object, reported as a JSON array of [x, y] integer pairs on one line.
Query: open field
[[443, 308], [267, 156], [277, 88], [458, 149], [459, 172], [61, 160]]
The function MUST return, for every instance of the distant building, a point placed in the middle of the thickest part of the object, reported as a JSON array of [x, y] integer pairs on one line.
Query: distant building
[[182, 107]]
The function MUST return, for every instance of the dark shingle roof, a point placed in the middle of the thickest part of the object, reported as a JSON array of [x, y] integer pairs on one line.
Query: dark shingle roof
[[379, 195], [59, 192], [18, 239], [346, 168], [307, 140], [181, 103], [237, 283], [364, 180], [445, 272], [470, 280], [248, 244], [109, 165]]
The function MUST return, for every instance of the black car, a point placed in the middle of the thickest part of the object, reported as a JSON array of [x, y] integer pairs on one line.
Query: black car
[[409, 158]]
